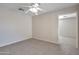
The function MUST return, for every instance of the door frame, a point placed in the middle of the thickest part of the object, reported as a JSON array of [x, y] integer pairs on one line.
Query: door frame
[[77, 46]]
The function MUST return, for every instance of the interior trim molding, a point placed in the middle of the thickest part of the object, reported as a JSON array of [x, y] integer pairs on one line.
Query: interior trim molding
[[27, 37], [57, 43]]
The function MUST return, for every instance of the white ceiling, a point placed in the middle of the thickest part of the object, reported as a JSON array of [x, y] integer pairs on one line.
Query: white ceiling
[[46, 6]]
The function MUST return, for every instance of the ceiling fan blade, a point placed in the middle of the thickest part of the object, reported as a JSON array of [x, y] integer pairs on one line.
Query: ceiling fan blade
[[27, 11], [39, 9], [36, 13]]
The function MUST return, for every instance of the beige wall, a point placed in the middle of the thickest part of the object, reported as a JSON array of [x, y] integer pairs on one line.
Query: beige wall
[[78, 26], [14, 26], [45, 26]]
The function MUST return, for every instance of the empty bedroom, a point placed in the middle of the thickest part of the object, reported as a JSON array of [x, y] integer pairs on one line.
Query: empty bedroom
[[39, 29]]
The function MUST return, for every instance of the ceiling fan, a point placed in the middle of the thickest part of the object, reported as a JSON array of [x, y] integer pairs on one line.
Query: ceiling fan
[[34, 8]]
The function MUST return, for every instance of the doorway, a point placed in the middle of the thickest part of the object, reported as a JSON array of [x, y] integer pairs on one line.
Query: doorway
[[67, 30]]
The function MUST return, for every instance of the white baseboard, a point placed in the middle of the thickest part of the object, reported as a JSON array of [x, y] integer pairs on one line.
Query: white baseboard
[[28, 37], [46, 40]]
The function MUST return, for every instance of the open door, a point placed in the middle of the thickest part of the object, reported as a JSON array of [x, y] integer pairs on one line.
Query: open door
[[67, 30]]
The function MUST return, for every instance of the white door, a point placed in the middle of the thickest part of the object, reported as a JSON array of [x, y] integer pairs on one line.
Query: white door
[[68, 31]]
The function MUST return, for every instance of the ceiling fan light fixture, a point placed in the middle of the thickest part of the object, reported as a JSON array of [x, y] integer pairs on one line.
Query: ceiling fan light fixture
[[34, 10], [39, 9], [36, 13]]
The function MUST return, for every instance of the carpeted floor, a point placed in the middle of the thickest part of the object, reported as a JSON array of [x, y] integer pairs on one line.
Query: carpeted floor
[[36, 47]]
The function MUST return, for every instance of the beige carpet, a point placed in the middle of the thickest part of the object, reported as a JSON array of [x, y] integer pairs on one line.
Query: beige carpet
[[36, 47]]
